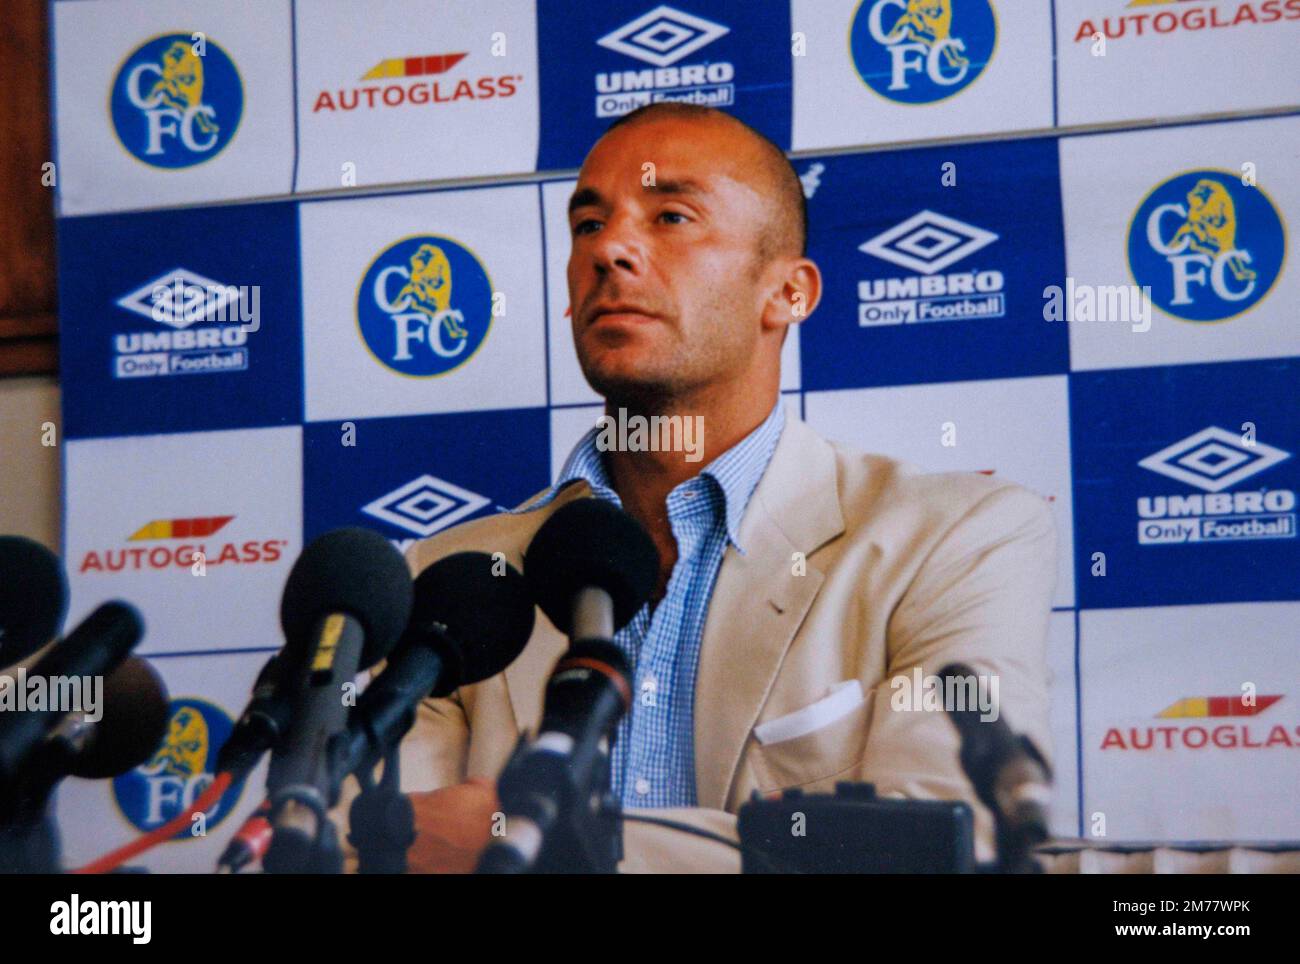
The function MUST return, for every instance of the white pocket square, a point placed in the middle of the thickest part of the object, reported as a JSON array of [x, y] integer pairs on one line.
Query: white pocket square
[[842, 700]]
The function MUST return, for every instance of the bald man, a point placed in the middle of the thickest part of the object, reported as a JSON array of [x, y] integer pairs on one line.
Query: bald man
[[799, 582]]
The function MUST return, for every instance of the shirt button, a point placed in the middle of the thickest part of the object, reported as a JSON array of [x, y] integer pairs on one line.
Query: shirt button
[[649, 687], [642, 786]]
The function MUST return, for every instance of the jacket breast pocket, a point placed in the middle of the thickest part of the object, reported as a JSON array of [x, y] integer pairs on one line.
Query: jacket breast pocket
[[822, 754]]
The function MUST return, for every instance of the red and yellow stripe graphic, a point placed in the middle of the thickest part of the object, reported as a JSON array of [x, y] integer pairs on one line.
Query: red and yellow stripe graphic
[[1203, 706], [414, 66], [181, 528]]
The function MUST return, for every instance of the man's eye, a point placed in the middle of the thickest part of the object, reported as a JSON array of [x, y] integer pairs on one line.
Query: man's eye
[[586, 226], [681, 218]]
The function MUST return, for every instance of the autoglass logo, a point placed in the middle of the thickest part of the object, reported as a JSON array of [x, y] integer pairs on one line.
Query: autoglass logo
[[1208, 246], [424, 306], [921, 51], [177, 101]]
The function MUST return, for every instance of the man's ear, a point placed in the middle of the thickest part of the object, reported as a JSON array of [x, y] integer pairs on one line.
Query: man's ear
[[797, 293]]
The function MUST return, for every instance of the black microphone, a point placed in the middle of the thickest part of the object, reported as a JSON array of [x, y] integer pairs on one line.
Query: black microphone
[[33, 598], [346, 602], [95, 648], [131, 726], [467, 625], [131, 723], [261, 725], [591, 567], [560, 774], [1009, 774]]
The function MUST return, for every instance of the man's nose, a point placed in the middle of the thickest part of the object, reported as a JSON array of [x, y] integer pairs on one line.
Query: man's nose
[[618, 247]]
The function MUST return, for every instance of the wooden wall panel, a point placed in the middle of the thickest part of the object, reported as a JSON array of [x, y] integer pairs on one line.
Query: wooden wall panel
[[28, 325]]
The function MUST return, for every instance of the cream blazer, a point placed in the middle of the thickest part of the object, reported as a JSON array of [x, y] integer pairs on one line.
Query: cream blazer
[[857, 568]]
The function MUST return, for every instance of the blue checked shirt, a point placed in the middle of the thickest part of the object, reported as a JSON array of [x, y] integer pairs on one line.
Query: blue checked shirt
[[653, 763]]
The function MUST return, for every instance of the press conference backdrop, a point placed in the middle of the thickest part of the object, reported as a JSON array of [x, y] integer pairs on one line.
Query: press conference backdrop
[[275, 321]]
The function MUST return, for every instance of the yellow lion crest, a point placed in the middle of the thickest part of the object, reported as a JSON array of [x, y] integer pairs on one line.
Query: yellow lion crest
[[1211, 225], [430, 288], [181, 83], [928, 22], [184, 752]]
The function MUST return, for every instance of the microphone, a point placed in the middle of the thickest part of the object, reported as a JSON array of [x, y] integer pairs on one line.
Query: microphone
[[261, 725], [1009, 775], [467, 625], [95, 648], [556, 776], [591, 567], [129, 732], [346, 601], [33, 598], [130, 728]]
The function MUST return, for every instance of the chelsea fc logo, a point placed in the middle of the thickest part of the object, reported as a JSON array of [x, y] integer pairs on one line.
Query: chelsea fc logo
[[424, 306], [181, 769], [177, 101], [1208, 246], [921, 51]]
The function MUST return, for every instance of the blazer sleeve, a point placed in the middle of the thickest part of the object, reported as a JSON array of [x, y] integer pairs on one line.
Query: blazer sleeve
[[983, 597]]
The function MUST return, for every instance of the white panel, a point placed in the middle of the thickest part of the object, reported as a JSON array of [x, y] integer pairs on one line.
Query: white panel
[[238, 139], [835, 107], [1191, 776], [130, 534], [1171, 59], [1106, 180], [496, 228], [468, 107]]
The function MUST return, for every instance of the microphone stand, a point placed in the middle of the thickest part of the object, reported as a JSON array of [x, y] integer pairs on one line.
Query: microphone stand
[[381, 819], [29, 836], [588, 838], [29, 842]]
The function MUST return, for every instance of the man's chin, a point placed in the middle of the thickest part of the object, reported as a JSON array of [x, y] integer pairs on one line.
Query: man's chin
[[628, 383]]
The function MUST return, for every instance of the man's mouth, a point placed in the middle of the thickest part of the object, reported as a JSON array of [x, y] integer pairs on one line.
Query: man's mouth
[[620, 313]]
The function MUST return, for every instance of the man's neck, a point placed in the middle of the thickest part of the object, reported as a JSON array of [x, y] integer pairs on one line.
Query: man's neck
[[644, 478]]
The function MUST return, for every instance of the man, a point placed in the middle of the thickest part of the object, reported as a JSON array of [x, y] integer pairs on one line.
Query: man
[[797, 579]]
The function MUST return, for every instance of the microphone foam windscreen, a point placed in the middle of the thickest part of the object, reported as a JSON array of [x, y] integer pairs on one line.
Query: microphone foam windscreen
[[354, 571], [485, 606], [33, 598], [132, 726], [590, 543]]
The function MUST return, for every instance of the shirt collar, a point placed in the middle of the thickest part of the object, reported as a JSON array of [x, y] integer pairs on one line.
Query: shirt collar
[[736, 471]]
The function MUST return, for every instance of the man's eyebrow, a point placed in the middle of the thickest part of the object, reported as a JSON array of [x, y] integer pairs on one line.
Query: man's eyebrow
[[589, 196]]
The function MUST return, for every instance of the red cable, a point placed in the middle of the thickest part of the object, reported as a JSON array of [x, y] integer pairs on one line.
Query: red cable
[[115, 859]]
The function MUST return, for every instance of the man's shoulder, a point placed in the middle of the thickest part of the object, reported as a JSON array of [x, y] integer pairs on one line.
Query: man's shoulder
[[879, 492]]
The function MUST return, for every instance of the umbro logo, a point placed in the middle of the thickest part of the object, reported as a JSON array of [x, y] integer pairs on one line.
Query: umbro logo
[[928, 242], [181, 298], [426, 505], [1213, 459], [663, 36]]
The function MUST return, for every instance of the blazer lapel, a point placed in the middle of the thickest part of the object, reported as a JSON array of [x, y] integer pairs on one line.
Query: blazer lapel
[[759, 602]]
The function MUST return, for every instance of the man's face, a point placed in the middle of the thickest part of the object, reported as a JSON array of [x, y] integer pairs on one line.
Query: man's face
[[663, 275]]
